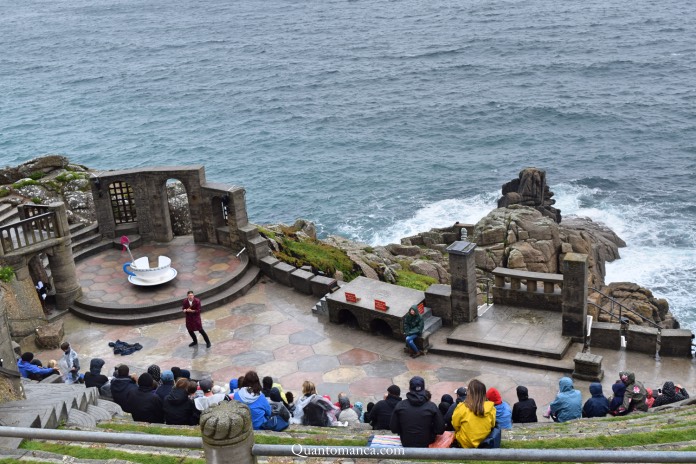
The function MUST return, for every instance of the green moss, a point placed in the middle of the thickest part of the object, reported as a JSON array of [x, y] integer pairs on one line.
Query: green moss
[[100, 452], [149, 429], [36, 175], [267, 233], [410, 279], [369, 249], [36, 200], [608, 441], [320, 256], [6, 274], [24, 183], [4, 192]]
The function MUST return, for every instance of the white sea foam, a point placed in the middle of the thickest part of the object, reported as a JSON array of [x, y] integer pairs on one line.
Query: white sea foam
[[441, 213]]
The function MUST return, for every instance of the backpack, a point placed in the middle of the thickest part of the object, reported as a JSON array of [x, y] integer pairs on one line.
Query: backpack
[[493, 439], [315, 414]]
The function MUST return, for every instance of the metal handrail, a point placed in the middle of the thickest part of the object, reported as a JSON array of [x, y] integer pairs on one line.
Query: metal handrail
[[436, 454], [621, 308]]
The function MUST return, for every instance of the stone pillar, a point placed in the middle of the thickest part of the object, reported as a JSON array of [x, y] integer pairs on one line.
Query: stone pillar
[[60, 259], [20, 301], [227, 434], [236, 216], [462, 263], [575, 274], [102, 206]]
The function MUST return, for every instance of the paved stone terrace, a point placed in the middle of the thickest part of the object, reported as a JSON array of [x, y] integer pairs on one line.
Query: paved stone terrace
[[199, 267], [271, 329]]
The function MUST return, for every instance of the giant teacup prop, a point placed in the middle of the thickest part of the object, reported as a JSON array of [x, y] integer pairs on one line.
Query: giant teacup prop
[[142, 274]]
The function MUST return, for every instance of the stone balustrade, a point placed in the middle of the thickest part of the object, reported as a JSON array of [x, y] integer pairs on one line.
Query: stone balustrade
[[528, 289]]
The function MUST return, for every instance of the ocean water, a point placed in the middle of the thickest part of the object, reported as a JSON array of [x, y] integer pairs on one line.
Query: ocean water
[[377, 120]]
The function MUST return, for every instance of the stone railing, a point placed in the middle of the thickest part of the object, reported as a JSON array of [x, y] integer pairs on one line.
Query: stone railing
[[528, 289], [30, 231]]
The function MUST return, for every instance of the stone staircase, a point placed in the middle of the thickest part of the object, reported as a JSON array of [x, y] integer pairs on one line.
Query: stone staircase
[[8, 214], [49, 405]]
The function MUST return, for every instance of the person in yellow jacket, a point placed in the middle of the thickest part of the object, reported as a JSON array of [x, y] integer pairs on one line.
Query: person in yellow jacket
[[474, 418]]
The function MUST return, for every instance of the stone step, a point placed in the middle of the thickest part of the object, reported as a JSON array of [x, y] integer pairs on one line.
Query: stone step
[[20, 415], [91, 250], [9, 215], [504, 357], [85, 237], [171, 309], [80, 419], [21, 419], [74, 228], [431, 324], [556, 352], [98, 413], [20, 455], [113, 408]]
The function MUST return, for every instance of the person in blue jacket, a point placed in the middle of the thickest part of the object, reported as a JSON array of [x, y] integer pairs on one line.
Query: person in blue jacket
[[598, 404], [33, 371], [251, 395], [503, 413], [568, 403]]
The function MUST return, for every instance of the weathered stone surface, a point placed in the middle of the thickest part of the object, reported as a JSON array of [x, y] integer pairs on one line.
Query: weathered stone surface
[[530, 189], [179, 212], [50, 336]]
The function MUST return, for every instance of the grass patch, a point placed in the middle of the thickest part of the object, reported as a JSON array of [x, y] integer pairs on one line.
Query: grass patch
[[24, 183], [326, 258], [320, 440], [607, 441], [4, 192], [36, 175], [150, 429], [99, 452], [412, 280], [6, 274]]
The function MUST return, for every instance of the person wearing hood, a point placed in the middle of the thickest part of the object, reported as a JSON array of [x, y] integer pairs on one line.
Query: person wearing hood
[[30, 369], [525, 410], [167, 378], [413, 328], [155, 372], [94, 378], [278, 407], [416, 420], [251, 395], [121, 385], [446, 401], [619, 389], [634, 398], [598, 404], [670, 395], [347, 414], [178, 407], [144, 404], [503, 413], [381, 413], [474, 418], [568, 403]]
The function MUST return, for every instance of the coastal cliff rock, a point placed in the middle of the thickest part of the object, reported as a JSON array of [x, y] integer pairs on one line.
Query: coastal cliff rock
[[530, 189]]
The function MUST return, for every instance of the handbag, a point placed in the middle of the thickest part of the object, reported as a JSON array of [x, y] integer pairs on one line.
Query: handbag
[[443, 441]]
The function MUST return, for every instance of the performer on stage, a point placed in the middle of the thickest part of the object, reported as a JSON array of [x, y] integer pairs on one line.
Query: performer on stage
[[192, 310]]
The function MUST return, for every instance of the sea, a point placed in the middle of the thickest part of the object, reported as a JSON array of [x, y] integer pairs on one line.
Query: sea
[[379, 119]]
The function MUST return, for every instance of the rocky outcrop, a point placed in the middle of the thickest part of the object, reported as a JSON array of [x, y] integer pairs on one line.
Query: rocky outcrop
[[530, 189], [634, 297]]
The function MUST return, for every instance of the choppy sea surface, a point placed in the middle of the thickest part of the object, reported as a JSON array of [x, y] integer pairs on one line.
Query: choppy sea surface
[[379, 119]]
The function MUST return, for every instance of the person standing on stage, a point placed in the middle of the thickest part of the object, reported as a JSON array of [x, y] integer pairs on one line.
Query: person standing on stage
[[192, 310]]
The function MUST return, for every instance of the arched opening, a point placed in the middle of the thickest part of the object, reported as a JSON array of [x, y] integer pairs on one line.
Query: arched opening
[[378, 326], [122, 202], [346, 317], [179, 212]]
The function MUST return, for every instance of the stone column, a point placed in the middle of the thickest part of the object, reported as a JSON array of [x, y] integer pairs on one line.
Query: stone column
[[574, 295], [462, 263], [227, 433], [60, 259]]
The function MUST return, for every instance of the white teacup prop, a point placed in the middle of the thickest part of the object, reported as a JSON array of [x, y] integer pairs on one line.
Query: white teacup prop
[[141, 273]]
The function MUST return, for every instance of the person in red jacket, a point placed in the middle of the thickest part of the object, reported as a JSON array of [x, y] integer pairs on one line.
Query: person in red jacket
[[192, 310]]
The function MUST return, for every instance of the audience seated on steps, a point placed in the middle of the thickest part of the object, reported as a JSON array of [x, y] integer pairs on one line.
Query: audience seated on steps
[[94, 377], [634, 397], [178, 406], [312, 409], [474, 418], [461, 393], [205, 397], [69, 364], [250, 394], [669, 393], [166, 386], [144, 404], [380, 416], [618, 389], [121, 385], [31, 368], [598, 404], [503, 414], [568, 403], [416, 419], [155, 371], [347, 414], [525, 410]]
